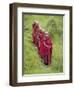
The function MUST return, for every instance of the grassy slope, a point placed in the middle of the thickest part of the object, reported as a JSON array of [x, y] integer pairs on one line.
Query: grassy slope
[[32, 61]]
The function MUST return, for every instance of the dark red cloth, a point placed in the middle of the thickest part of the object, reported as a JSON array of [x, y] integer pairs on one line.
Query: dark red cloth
[[41, 47], [40, 37], [35, 29], [48, 48]]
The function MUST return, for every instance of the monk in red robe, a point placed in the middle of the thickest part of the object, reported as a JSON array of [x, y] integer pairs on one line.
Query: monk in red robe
[[36, 28], [48, 49], [34, 32]]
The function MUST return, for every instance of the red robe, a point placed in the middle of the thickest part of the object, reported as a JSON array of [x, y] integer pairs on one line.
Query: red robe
[[48, 50], [41, 46], [34, 31], [40, 36]]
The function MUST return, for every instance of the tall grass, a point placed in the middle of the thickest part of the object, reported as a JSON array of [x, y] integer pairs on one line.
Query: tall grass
[[33, 64]]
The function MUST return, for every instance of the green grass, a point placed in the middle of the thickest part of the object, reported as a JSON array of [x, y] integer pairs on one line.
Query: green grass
[[33, 64]]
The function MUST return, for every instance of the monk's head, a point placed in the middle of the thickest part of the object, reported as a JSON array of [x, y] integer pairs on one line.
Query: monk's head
[[46, 35], [34, 23]]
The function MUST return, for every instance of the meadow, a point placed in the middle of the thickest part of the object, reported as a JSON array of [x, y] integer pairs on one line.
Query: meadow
[[33, 64]]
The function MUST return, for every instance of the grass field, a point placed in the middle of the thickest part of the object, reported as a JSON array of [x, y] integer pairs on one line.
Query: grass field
[[32, 61]]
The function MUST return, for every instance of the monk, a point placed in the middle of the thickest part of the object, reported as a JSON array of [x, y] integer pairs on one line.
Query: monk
[[48, 49], [35, 28]]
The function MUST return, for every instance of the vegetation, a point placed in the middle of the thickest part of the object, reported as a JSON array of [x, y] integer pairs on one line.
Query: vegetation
[[33, 64]]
